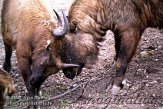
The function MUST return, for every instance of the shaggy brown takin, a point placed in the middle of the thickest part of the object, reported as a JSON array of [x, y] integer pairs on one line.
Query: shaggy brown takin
[[7, 87], [90, 19], [29, 27]]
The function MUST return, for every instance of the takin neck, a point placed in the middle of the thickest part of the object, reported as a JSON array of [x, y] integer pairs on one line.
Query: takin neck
[[90, 17]]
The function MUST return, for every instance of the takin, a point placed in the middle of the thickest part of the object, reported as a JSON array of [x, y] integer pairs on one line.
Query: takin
[[30, 27], [89, 21], [7, 87]]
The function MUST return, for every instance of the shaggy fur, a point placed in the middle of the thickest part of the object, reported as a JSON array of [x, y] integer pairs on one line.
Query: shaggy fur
[[27, 26], [126, 18]]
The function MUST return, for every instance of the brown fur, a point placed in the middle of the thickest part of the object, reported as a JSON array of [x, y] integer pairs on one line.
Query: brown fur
[[126, 18], [7, 87], [27, 26]]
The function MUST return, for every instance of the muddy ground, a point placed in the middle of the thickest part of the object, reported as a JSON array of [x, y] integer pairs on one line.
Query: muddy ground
[[143, 83]]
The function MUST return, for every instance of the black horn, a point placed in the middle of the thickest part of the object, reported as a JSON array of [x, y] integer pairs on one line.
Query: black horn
[[59, 23], [61, 31]]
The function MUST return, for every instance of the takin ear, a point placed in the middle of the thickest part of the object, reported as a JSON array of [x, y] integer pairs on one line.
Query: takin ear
[[73, 26], [47, 47]]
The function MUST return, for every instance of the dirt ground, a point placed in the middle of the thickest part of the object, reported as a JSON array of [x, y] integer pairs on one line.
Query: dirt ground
[[91, 90]]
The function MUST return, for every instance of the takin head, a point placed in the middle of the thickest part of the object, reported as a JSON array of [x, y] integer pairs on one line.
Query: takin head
[[80, 49], [47, 63]]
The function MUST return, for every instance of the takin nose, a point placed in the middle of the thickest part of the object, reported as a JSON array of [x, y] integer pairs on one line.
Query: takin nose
[[32, 81], [36, 81], [71, 72]]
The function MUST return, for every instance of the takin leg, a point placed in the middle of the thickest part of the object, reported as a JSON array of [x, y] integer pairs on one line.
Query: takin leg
[[117, 47], [23, 59], [8, 53], [128, 43], [24, 67]]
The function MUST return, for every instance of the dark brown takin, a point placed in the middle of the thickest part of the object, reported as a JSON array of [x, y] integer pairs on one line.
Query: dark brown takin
[[90, 19]]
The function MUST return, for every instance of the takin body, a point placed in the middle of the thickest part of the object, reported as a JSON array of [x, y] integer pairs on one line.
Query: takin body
[[30, 28], [90, 19], [7, 87]]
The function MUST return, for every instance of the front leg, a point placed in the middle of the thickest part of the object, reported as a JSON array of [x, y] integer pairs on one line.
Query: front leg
[[117, 41], [24, 64], [129, 41], [24, 67], [23, 53], [8, 53]]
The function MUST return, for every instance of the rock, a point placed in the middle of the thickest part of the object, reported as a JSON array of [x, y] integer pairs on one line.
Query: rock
[[144, 54], [147, 53]]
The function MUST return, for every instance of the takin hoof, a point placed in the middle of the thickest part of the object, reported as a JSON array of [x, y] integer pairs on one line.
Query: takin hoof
[[116, 85], [115, 90]]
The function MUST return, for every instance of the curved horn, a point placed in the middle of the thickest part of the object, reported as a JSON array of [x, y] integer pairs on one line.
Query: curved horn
[[58, 32], [58, 18]]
